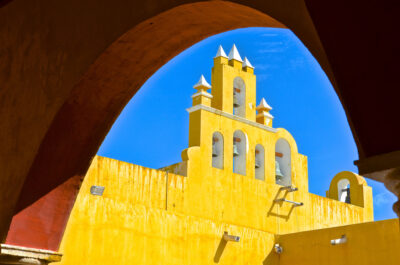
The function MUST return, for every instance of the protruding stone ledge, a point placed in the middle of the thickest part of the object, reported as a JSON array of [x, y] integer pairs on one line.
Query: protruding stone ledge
[[10, 254]]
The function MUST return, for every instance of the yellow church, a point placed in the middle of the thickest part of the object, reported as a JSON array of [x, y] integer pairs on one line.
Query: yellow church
[[239, 196]]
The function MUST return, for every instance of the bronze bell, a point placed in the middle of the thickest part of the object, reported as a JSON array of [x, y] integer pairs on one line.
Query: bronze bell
[[257, 165], [278, 173], [214, 147], [235, 150], [347, 199], [235, 101], [214, 151]]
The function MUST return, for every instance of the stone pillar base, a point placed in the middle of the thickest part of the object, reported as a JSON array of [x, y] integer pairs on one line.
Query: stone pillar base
[[10, 254], [392, 183]]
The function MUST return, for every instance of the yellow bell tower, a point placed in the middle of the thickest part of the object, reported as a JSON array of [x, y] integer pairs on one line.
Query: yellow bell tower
[[233, 84]]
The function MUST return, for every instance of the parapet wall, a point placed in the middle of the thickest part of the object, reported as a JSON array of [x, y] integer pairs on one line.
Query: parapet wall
[[369, 243], [235, 199], [146, 216], [133, 223]]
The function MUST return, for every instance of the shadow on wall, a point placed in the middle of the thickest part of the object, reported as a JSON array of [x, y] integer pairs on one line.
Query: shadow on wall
[[281, 194], [271, 259], [220, 250]]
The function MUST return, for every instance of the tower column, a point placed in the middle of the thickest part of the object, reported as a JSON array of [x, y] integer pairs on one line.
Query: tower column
[[263, 116], [202, 97]]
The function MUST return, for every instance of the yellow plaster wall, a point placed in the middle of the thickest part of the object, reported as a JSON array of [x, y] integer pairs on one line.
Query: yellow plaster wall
[[148, 216], [360, 192], [369, 243], [202, 125], [200, 99], [222, 195], [142, 220], [222, 76], [132, 223]]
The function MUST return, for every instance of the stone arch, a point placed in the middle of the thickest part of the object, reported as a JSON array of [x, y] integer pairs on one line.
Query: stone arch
[[259, 162], [239, 152], [217, 150], [239, 97], [343, 187], [283, 162], [359, 190], [91, 107], [76, 127]]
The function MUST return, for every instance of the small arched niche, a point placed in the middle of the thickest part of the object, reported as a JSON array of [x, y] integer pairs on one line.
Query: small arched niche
[[217, 150], [239, 97], [239, 152], [351, 188], [259, 162], [283, 170], [343, 186]]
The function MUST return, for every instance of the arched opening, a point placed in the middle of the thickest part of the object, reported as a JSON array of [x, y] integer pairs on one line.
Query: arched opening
[[106, 75], [217, 150], [344, 190], [283, 170], [259, 162], [239, 152], [74, 132], [239, 97]]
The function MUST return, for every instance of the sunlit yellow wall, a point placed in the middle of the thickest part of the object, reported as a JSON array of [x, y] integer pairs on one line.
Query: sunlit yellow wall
[[371, 243], [220, 194], [139, 221], [132, 223], [360, 192], [148, 216], [223, 74]]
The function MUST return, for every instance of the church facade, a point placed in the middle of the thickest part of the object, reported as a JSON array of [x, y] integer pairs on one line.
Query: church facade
[[239, 196]]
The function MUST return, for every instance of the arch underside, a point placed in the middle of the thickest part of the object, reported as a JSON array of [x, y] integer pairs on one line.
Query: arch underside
[[240, 147], [218, 150], [259, 162], [283, 162], [62, 88], [343, 186], [95, 102], [239, 97]]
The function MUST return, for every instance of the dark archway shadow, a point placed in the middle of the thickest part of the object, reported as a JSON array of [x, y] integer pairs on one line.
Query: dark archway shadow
[[93, 105]]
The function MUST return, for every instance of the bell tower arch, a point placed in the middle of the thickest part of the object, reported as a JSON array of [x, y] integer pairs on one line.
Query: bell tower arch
[[233, 84]]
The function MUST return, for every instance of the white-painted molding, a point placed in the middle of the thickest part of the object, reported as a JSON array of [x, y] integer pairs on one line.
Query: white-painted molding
[[265, 114], [24, 255], [202, 93], [233, 117]]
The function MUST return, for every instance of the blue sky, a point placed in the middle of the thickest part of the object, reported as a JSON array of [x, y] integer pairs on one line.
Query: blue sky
[[153, 128]]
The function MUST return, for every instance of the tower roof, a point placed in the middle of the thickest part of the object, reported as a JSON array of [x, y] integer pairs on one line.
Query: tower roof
[[263, 106], [202, 83], [234, 54], [220, 52], [247, 63]]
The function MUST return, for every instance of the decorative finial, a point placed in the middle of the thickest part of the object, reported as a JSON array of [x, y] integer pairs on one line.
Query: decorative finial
[[234, 54], [247, 64], [263, 116], [263, 106], [202, 83], [220, 52]]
